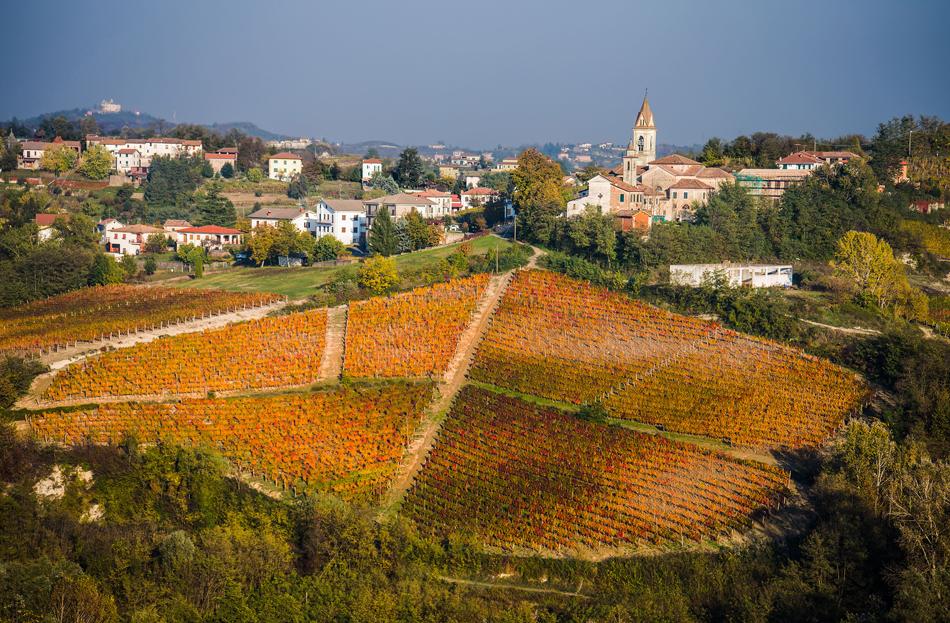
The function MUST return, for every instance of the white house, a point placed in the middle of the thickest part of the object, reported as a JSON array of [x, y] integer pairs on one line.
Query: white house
[[44, 225], [749, 275], [507, 164], [284, 166], [473, 178], [301, 218], [147, 148], [127, 159], [106, 226], [371, 166], [209, 236], [347, 217], [130, 239], [477, 196], [31, 152], [400, 205], [438, 197]]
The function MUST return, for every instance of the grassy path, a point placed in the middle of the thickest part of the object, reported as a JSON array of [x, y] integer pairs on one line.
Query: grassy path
[[331, 366]]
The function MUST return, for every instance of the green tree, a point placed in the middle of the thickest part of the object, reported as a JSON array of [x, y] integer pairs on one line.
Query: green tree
[[76, 229], [410, 171], [59, 159], [96, 163], [129, 266], [194, 256], [378, 274], [298, 187], [207, 171], [590, 234], [327, 248], [171, 182], [255, 175], [213, 208], [105, 271], [227, 171], [260, 243], [156, 243], [9, 150], [382, 235], [150, 265], [871, 265], [383, 182], [537, 195]]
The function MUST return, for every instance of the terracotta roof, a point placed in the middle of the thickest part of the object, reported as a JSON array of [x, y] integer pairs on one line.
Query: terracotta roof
[[622, 185], [713, 172], [128, 150], [645, 117], [139, 229], [688, 183], [400, 199], [45, 220], [217, 156], [227, 150], [432, 193], [372, 161], [800, 157], [480, 191], [629, 213], [277, 214], [177, 222], [113, 140], [674, 159], [285, 155], [210, 229]]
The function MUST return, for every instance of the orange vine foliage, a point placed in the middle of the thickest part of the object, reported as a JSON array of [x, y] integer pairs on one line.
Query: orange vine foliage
[[348, 441], [94, 313], [556, 337], [519, 476], [266, 353], [410, 334]]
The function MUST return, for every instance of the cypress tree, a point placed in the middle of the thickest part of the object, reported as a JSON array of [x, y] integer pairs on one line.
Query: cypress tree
[[382, 237]]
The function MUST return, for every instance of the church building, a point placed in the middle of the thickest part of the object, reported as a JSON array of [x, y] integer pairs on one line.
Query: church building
[[645, 189]]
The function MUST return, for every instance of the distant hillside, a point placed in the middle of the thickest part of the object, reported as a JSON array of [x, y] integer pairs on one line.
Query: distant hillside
[[114, 122]]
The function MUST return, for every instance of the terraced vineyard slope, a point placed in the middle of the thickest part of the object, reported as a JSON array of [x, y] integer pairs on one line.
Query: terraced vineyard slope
[[98, 312], [522, 477], [347, 441], [412, 334], [275, 352], [567, 340]]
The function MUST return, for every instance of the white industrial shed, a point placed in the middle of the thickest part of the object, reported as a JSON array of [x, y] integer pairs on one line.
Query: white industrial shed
[[751, 275]]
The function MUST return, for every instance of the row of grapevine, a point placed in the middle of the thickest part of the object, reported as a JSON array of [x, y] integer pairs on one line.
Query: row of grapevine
[[94, 313], [410, 334], [522, 477], [267, 353], [347, 441], [559, 338]]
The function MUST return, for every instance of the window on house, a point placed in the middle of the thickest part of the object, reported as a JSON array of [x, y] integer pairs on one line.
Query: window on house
[[621, 197], [674, 194], [343, 230], [685, 194]]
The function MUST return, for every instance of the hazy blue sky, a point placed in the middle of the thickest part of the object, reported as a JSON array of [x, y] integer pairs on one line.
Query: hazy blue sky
[[489, 71]]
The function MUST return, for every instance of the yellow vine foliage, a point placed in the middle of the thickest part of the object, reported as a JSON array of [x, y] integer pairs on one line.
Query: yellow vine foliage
[[97, 312], [563, 339], [523, 477], [410, 334], [268, 353], [348, 441]]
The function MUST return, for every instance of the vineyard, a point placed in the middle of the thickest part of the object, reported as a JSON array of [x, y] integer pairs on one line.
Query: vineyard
[[347, 441], [565, 340], [267, 353], [101, 311], [411, 334], [519, 476]]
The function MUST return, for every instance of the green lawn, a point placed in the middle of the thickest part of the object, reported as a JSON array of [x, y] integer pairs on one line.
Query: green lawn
[[298, 283]]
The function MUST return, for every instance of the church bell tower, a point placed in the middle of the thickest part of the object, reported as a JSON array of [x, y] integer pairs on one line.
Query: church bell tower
[[642, 147]]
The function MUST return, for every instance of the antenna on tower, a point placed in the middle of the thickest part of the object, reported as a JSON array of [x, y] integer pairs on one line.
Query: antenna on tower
[[645, 91]]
